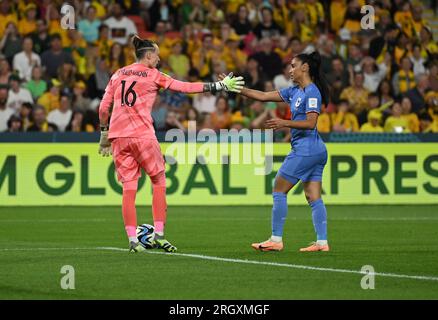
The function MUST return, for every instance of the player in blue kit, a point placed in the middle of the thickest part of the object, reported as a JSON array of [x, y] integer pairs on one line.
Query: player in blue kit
[[308, 157]]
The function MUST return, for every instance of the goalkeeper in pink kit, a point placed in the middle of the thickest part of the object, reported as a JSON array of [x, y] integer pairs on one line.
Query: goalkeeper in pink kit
[[130, 135]]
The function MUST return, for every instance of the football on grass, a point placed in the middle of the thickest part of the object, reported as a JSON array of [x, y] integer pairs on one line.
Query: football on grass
[[146, 235]]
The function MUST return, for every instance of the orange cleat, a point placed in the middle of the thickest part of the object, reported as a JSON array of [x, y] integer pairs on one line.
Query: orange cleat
[[268, 245], [315, 247]]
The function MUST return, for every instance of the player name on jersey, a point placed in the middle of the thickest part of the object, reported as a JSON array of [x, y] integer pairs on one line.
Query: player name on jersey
[[130, 72]]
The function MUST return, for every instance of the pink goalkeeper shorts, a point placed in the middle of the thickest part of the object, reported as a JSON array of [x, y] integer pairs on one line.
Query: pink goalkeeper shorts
[[132, 154]]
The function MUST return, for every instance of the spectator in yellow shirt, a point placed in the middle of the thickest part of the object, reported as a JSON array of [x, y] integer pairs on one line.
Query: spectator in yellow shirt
[[51, 99], [353, 17], [431, 100], [40, 124], [202, 58], [412, 118], [343, 120], [315, 12], [233, 6], [427, 123], [281, 14], [324, 122], [233, 56], [356, 94], [395, 122], [404, 19], [337, 13], [28, 24], [215, 16], [53, 20], [300, 27], [373, 124], [283, 49], [128, 50], [402, 47], [6, 16], [100, 9], [404, 79], [238, 121], [190, 38], [178, 61], [77, 46], [91, 58], [104, 43], [417, 19], [428, 45], [160, 38], [373, 103], [432, 104]]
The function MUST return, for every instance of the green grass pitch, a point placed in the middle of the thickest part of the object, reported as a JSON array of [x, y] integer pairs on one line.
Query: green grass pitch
[[35, 242]]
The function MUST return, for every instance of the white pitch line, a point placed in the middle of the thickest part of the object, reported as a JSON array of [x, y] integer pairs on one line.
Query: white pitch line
[[265, 263], [36, 220], [388, 219], [47, 249], [294, 266]]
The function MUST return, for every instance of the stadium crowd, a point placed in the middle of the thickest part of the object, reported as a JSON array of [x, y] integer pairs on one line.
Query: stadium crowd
[[382, 80]]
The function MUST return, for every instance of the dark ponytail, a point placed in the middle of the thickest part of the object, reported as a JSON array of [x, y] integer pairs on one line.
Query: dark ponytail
[[314, 61], [141, 46]]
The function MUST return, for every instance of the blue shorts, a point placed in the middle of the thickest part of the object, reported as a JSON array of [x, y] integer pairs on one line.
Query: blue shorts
[[304, 168]]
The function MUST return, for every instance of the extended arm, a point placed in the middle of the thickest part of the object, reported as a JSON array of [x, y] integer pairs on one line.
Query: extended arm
[[261, 96], [308, 124], [227, 84], [254, 94]]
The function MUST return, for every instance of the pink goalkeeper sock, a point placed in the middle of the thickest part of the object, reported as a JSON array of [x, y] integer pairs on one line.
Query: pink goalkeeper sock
[[159, 204], [159, 227], [131, 231], [128, 208], [159, 209]]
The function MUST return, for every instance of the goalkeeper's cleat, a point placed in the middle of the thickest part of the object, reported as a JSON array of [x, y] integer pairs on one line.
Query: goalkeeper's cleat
[[268, 245], [135, 247], [315, 247], [165, 245]]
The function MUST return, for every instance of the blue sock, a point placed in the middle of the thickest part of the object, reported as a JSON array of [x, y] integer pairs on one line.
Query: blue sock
[[319, 216], [279, 213]]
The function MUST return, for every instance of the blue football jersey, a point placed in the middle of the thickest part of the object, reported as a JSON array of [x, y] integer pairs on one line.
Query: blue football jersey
[[302, 101]]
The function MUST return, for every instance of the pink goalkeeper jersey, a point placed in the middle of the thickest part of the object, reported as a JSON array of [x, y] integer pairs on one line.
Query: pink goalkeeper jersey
[[132, 91]]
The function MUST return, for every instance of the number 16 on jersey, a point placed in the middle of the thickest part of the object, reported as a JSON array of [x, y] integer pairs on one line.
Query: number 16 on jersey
[[130, 93]]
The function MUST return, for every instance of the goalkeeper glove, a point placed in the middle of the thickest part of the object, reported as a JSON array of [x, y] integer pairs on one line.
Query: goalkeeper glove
[[104, 144], [229, 84]]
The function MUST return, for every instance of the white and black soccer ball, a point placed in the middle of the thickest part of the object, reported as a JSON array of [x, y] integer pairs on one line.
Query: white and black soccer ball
[[146, 235]]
